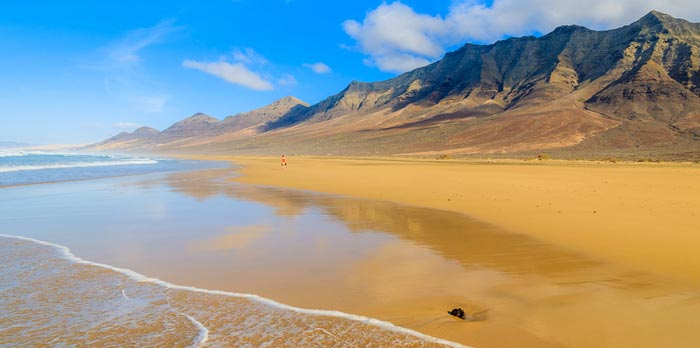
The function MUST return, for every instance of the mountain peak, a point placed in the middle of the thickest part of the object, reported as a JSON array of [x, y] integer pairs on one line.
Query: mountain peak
[[654, 18], [290, 101], [659, 15], [565, 30], [145, 131], [659, 22], [201, 117], [266, 114]]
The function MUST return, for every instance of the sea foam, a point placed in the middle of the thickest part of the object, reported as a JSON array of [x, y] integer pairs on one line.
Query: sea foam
[[203, 332], [7, 169]]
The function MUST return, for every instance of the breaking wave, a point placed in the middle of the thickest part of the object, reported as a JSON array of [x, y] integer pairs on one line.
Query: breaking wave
[[18, 168]]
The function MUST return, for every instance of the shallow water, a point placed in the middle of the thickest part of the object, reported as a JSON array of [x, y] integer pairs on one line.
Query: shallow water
[[51, 298], [405, 265], [24, 167]]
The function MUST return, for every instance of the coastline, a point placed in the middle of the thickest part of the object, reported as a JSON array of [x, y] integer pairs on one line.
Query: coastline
[[395, 262], [615, 212], [119, 175], [134, 276]]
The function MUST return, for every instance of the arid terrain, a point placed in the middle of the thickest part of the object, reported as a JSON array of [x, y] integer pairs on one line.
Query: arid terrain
[[631, 92]]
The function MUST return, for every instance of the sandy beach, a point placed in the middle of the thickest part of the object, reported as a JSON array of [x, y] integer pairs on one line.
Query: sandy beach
[[645, 216], [375, 247]]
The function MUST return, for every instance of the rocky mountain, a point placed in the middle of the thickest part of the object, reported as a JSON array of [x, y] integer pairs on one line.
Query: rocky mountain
[[635, 87], [201, 128], [126, 140], [268, 114], [192, 126]]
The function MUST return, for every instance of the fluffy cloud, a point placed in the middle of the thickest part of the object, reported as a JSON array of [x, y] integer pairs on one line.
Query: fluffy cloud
[[240, 72], [396, 38], [319, 68], [236, 73]]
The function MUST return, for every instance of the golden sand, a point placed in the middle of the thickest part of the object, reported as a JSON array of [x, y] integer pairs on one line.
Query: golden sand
[[519, 291], [646, 216], [409, 265]]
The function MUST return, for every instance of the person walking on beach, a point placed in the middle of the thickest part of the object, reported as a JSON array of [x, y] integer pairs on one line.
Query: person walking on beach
[[284, 161]]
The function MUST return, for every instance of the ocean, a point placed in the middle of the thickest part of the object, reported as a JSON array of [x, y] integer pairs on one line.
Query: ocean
[[19, 167]]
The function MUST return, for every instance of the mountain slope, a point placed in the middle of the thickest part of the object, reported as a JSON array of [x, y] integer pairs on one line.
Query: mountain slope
[[264, 115], [201, 129], [634, 87]]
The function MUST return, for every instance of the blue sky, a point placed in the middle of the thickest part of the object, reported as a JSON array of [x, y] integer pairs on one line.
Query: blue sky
[[78, 72]]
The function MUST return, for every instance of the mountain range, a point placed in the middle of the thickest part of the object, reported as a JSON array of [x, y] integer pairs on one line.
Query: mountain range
[[635, 89]]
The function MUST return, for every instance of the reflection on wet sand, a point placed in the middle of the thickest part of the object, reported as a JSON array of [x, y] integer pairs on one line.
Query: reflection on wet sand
[[454, 236], [520, 291], [238, 238]]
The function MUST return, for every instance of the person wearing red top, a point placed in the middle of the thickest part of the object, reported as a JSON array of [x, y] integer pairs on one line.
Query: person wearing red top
[[284, 161]]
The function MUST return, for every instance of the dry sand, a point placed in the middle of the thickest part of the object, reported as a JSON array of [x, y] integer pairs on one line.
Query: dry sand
[[644, 216], [635, 228]]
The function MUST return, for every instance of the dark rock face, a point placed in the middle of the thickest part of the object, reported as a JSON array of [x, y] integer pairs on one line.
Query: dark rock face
[[457, 312], [514, 70]]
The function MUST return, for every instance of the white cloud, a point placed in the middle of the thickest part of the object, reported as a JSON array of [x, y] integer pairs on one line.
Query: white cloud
[[319, 67], [236, 73], [396, 38], [287, 80]]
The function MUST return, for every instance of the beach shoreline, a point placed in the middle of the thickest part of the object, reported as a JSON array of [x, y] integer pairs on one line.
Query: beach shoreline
[[616, 212], [65, 254], [151, 171], [387, 258]]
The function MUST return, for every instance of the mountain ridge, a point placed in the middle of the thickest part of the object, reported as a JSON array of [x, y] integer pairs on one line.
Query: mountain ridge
[[637, 86]]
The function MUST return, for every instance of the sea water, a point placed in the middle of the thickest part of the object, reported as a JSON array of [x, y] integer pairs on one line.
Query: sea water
[[19, 167]]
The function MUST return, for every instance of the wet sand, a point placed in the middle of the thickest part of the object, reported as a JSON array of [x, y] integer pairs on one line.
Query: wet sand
[[645, 216], [401, 263], [52, 298]]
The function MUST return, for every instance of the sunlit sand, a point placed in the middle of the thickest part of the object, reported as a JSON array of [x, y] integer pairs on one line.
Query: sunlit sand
[[405, 264], [644, 215]]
